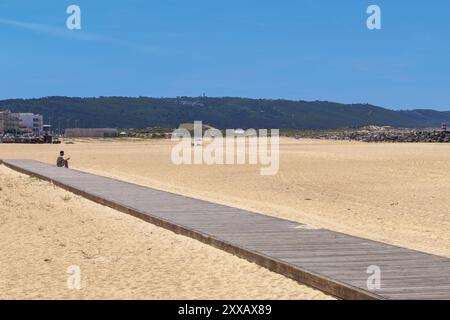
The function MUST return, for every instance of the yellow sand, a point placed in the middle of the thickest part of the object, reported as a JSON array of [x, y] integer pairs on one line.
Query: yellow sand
[[45, 230], [395, 193]]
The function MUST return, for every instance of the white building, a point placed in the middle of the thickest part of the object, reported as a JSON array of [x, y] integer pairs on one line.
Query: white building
[[9, 122], [31, 123]]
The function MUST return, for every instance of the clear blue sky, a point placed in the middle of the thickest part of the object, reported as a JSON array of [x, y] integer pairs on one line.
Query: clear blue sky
[[294, 49]]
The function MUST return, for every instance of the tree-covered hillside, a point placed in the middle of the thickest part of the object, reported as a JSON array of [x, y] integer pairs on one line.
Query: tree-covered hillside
[[123, 112]]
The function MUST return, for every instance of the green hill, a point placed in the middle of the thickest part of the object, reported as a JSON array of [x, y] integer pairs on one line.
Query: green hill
[[227, 112]]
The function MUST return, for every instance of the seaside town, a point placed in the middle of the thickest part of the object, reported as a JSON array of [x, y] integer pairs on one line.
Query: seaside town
[[30, 128], [21, 123]]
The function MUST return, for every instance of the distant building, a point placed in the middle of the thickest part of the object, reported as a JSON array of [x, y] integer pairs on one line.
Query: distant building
[[2, 122], [30, 123], [91, 133], [190, 103], [9, 122]]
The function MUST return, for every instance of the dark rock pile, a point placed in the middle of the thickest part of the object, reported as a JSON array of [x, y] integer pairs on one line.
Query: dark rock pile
[[387, 134]]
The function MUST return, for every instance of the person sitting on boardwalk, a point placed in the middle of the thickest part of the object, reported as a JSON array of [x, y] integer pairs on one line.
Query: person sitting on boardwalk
[[61, 162]]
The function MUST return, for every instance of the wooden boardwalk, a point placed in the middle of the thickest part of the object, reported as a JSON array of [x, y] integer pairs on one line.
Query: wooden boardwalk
[[330, 261]]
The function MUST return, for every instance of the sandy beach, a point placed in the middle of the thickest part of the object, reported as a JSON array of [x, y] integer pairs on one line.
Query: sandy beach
[[45, 230], [394, 193]]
